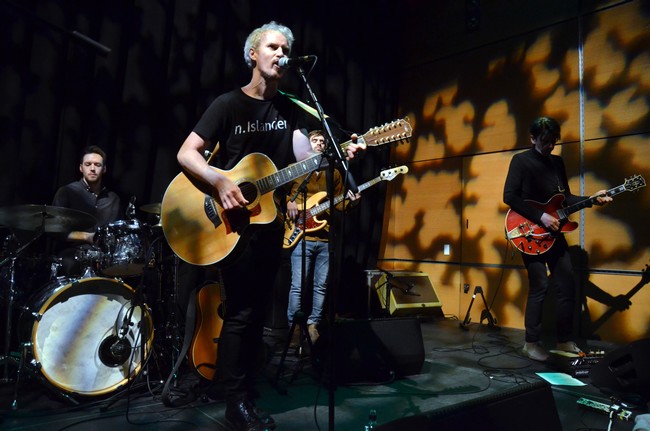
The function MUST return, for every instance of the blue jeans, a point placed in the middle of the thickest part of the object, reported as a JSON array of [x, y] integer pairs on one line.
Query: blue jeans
[[316, 263]]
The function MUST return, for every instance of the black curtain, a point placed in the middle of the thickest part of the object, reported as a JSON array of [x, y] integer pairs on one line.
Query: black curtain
[[61, 91]]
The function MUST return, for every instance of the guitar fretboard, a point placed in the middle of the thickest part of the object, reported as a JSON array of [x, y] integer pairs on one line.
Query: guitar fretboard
[[288, 174]]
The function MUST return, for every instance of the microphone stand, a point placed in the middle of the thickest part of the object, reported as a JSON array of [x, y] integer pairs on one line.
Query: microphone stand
[[141, 332], [334, 269], [299, 317], [485, 314], [391, 285]]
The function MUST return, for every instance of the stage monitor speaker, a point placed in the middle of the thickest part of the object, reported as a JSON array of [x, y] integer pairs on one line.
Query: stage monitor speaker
[[529, 407], [411, 294], [625, 371], [374, 351]]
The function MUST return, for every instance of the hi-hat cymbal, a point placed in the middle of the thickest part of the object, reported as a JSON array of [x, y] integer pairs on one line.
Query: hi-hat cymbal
[[46, 217], [151, 208]]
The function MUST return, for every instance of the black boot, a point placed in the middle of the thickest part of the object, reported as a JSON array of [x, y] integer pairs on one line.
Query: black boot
[[244, 416]]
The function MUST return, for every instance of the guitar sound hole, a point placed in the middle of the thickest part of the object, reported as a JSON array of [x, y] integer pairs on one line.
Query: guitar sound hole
[[249, 191]]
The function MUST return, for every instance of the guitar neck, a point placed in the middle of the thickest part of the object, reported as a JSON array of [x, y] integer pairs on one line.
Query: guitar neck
[[288, 174], [567, 211], [320, 208], [390, 132]]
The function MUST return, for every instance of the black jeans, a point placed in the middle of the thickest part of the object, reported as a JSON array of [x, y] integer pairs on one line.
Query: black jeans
[[248, 287], [558, 262]]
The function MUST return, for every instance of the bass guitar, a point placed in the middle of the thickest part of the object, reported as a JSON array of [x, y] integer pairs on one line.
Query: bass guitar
[[295, 229], [530, 238], [201, 232]]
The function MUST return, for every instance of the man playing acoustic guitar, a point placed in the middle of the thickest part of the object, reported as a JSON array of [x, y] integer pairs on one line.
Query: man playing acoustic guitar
[[538, 175], [255, 122]]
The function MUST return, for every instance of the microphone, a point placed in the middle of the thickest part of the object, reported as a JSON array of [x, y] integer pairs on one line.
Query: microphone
[[286, 62], [114, 350]]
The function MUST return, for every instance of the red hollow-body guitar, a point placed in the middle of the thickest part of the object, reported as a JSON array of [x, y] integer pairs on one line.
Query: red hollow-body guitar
[[530, 238]]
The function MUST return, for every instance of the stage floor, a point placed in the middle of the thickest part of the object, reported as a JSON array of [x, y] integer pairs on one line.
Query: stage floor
[[476, 363]]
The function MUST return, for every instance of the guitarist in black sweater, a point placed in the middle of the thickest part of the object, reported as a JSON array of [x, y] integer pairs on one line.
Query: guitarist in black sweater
[[537, 175]]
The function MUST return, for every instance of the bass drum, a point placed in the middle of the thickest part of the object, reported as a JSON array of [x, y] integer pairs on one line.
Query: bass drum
[[86, 336]]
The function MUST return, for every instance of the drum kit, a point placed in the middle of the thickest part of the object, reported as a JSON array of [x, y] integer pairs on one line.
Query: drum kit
[[83, 335]]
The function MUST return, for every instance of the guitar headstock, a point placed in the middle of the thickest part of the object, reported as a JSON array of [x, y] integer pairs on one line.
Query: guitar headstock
[[390, 174], [645, 275], [634, 183], [394, 131]]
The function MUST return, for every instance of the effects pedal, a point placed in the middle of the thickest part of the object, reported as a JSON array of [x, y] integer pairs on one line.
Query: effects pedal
[[576, 365], [616, 410]]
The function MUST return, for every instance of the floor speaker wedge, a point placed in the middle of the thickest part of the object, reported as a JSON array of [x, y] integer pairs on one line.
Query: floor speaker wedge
[[529, 406], [373, 351]]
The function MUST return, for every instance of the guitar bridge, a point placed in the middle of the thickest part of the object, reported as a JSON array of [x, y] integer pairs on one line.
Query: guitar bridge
[[211, 211], [524, 229]]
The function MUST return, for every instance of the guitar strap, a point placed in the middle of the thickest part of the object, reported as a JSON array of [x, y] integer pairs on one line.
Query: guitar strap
[[302, 104]]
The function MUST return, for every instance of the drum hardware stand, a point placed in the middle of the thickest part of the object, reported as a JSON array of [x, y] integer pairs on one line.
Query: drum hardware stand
[[169, 339], [6, 357], [25, 348], [485, 314]]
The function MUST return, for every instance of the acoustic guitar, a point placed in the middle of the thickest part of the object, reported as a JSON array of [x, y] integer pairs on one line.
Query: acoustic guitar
[[209, 321], [530, 238], [294, 230], [201, 232]]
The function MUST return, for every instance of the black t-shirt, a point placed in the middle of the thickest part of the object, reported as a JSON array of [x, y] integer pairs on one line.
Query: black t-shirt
[[243, 125]]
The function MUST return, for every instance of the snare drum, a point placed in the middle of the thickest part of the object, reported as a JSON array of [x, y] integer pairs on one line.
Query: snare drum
[[86, 334], [123, 244]]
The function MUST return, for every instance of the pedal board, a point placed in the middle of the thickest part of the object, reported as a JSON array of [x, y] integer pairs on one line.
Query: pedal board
[[574, 364]]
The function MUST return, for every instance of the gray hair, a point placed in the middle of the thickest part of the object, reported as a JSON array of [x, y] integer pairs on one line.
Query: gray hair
[[254, 38]]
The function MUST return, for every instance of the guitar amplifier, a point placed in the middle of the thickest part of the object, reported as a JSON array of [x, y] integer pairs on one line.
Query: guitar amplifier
[[410, 294]]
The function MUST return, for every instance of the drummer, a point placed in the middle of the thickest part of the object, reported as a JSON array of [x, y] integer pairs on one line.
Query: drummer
[[89, 195]]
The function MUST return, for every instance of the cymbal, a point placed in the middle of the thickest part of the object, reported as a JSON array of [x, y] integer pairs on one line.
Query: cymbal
[[49, 218], [151, 208]]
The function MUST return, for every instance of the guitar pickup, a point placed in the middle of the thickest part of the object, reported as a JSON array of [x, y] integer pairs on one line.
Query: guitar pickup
[[211, 212]]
